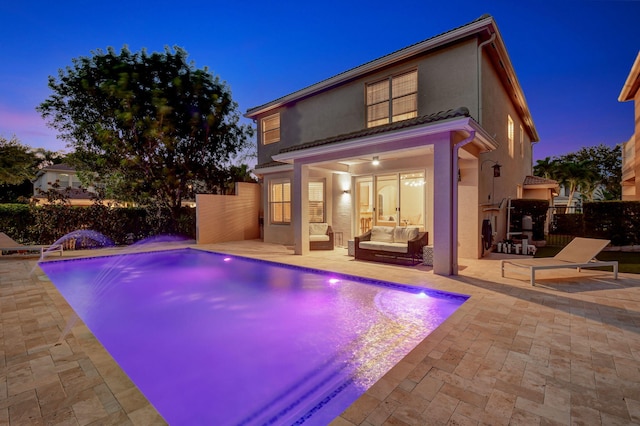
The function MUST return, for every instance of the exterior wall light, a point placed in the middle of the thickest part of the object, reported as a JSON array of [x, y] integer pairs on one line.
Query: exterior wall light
[[375, 161]]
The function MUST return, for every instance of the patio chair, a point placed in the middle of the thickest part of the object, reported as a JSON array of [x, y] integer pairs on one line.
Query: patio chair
[[7, 244], [579, 253]]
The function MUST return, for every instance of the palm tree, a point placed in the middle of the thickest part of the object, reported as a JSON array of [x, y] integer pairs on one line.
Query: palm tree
[[577, 176], [546, 168]]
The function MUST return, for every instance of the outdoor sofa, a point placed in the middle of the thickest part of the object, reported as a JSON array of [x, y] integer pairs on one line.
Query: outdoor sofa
[[391, 244]]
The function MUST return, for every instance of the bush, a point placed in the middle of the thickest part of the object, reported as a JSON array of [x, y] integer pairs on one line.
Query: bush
[[618, 221], [33, 224]]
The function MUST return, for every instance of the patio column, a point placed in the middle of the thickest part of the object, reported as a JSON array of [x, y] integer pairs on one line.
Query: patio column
[[300, 208], [444, 218]]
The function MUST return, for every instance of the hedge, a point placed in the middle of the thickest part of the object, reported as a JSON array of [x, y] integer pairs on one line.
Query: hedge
[[618, 221], [29, 224]]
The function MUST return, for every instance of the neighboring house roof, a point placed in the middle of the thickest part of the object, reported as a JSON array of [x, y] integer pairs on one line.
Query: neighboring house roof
[[632, 85], [539, 181], [485, 24], [62, 167]]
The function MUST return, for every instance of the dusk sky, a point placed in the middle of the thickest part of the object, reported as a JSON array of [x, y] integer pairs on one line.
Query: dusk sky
[[571, 57]]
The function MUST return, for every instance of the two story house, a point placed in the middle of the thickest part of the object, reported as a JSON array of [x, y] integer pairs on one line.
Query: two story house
[[435, 135], [64, 179]]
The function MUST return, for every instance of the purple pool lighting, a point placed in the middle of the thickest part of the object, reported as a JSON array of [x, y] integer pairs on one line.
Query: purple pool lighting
[[216, 339]]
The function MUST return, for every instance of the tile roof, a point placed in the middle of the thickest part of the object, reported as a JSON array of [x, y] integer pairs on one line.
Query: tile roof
[[536, 180], [61, 166], [430, 118], [270, 164]]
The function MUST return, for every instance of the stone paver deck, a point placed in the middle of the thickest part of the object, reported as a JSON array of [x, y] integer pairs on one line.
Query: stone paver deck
[[564, 352]]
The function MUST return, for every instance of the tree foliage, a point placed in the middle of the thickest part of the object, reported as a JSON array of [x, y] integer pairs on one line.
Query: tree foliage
[[150, 125], [18, 166], [596, 172], [17, 161]]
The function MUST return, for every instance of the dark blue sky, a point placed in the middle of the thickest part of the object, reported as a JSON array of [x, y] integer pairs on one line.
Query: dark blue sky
[[571, 57]]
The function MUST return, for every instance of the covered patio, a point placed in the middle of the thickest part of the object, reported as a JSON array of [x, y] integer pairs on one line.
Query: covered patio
[[443, 149]]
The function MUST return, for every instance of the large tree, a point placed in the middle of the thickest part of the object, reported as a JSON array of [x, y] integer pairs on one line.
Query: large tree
[[594, 171], [150, 125]]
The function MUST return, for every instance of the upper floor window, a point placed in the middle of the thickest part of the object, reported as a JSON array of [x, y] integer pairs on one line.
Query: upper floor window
[[392, 99], [510, 135], [521, 142], [271, 129]]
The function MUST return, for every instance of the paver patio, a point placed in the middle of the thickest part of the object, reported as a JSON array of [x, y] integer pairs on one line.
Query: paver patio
[[564, 352]]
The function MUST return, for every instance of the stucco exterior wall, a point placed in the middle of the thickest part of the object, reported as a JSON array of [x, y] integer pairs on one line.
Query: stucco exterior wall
[[636, 103], [446, 80], [275, 233], [496, 106], [221, 218]]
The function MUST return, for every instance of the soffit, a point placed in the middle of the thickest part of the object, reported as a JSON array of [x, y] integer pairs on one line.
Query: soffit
[[632, 85], [394, 143]]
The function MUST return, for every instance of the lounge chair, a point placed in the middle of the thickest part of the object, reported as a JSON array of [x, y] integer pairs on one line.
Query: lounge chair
[[7, 244], [579, 253]]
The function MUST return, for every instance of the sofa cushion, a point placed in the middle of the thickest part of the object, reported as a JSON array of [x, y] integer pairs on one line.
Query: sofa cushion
[[324, 237], [390, 247], [318, 229], [402, 235], [383, 234]]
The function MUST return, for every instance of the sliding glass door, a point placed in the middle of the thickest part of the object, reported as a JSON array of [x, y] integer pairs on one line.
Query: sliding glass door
[[390, 200], [412, 199], [364, 204], [387, 200]]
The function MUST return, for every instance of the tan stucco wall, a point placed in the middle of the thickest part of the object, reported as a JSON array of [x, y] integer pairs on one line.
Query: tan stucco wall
[[221, 218], [446, 80], [636, 103], [496, 105]]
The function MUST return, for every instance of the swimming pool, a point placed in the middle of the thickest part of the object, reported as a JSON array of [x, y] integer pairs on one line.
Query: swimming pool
[[215, 339]]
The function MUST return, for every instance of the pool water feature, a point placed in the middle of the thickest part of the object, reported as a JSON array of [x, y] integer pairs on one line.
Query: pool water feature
[[215, 339]]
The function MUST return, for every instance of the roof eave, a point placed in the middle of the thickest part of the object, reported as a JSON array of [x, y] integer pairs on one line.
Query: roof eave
[[632, 84], [465, 124]]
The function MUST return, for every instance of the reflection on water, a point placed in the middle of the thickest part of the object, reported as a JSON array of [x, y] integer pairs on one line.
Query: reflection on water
[[265, 342]]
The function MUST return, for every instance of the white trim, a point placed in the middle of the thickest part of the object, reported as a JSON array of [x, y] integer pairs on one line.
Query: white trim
[[273, 169]]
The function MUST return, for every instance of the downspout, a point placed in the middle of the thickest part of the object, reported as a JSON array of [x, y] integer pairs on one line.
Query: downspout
[[480, 46], [454, 201]]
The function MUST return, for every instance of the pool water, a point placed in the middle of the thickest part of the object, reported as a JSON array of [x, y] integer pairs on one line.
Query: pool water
[[213, 339]]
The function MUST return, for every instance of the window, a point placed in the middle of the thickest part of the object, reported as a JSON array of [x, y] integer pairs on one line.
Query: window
[[521, 142], [392, 99], [271, 129], [510, 135], [280, 202], [316, 202]]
